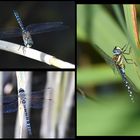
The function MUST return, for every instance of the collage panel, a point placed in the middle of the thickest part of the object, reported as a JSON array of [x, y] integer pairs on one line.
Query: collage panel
[[108, 70], [38, 35], [37, 104]]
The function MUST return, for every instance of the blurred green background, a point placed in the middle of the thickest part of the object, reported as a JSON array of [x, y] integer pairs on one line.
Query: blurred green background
[[110, 112]]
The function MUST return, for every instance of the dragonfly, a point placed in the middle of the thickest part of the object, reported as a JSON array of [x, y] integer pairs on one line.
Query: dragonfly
[[26, 32], [117, 63], [10, 103]]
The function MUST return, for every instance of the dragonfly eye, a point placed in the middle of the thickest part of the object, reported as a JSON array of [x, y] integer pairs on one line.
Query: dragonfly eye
[[117, 51], [21, 90]]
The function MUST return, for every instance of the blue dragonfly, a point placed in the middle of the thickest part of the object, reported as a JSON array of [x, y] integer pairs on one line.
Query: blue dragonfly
[[117, 63], [30, 30], [10, 103]]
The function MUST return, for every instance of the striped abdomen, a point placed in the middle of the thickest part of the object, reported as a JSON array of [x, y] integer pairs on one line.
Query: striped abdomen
[[127, 85], [19, 20], [23, 99], [27, 120]]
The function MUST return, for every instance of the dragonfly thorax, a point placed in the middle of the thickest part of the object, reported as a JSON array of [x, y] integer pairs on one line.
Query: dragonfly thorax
[[28, 42], [117, 51], [21, 93], [119, 61]]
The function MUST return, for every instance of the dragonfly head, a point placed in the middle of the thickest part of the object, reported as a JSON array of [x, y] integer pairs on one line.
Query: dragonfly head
[[117, 51], [21, 90]]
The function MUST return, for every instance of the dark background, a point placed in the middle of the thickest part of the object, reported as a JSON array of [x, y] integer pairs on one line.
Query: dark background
[[60, 44]]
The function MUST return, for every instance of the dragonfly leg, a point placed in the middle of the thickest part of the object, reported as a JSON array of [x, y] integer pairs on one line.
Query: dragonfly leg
[[125, 47], [19, 47], [24, 49], [124, 52], [132, 61]]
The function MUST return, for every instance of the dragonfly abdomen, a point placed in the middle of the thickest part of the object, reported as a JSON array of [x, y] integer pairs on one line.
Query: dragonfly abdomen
[[23, 99], [127, 85], [27, 120], [19, 20]]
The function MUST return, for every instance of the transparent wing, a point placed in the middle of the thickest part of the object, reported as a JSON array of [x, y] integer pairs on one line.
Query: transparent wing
[[107, 58], [10, 102], [38, 99], [10, 32], [45, 27]]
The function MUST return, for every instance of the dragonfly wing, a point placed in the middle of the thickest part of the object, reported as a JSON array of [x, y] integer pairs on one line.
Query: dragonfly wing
[[45, 27], [107, 58], [10, 104], [37, 104], [37, 99], [10, 32]]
